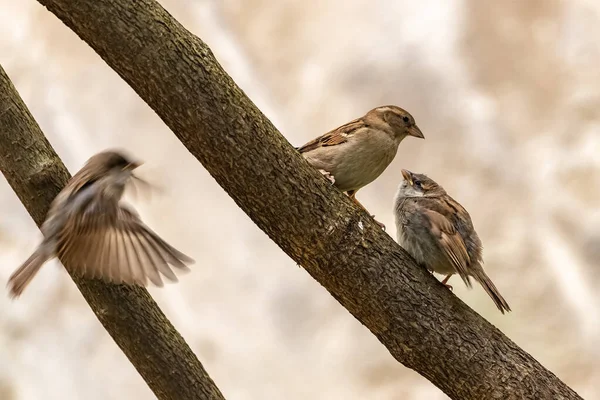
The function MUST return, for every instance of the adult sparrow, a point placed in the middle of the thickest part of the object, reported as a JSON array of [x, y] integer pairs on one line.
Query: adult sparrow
[[96, 236], [438, 233], [355, 154]]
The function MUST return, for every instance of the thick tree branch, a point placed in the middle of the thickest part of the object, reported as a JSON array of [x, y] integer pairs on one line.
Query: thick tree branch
[[423, 325], [131, 317]]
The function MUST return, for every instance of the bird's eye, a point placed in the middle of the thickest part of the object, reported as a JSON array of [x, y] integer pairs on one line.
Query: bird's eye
[[417, 184], [406, 119]]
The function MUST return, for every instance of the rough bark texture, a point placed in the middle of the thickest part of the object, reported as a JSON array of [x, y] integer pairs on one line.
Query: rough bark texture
[[131, 317], [422, 324]]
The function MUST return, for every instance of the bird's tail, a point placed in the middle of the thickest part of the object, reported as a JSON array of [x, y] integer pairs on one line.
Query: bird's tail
[[487, 284], [19, 280]]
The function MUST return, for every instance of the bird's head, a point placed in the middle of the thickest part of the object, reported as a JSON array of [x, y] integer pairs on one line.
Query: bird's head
[[396, 120], [113, 167], [418, 185], [112, 161]]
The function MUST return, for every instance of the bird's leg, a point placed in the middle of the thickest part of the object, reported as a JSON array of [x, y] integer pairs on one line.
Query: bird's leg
[[444, 282], [352, 195], [328, 175]]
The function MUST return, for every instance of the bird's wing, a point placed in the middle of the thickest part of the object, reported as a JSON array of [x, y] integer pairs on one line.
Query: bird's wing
[[450, 241], [335, 137], [115, 245]]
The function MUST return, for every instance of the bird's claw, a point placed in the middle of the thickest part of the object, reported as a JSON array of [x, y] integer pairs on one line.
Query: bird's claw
[[444, 282], [381, 224], [328, 175]]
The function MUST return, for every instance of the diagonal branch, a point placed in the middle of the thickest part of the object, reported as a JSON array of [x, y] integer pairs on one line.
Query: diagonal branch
[[422, 325], [131, 317]]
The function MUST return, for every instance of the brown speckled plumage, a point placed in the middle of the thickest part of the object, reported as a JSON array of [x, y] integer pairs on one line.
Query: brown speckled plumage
[[355, 154], [98, 237], [438, 232]]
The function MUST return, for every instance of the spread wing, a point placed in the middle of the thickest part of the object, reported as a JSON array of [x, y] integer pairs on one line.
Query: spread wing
[[450, 242], [337, 136], [113, 244]]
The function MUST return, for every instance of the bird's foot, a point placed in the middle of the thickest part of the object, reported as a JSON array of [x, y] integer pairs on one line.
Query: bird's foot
[[381, 224], [328, 175], [352, 195], [445, 282]]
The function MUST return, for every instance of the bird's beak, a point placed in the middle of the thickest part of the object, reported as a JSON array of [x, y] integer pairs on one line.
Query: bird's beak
[[407, 175], [132, 165], [416, 132]]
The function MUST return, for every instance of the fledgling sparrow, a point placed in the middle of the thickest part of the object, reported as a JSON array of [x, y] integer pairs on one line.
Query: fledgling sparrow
[[355, 154], [438, 233], [96, 236]]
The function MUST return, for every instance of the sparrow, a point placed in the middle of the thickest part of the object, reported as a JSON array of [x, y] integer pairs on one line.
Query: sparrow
[[439, 234], [98, 237], [355, 154]]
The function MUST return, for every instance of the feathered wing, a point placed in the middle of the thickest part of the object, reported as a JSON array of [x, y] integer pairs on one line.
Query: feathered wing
[[116, 246], [458, 253], [337, 136], [450, 242]]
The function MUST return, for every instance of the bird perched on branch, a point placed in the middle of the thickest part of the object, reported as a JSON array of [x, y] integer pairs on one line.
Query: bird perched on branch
[[96, 236], [438, 233], [355, 154]]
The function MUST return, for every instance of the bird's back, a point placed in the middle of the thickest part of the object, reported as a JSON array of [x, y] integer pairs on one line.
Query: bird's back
[[453, 210]]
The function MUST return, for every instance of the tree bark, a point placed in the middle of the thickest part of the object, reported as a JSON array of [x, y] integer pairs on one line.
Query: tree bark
[[423, 325], [129, 314]]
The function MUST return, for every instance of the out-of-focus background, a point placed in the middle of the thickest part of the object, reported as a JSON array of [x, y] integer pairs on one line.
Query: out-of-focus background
[[507, 94]]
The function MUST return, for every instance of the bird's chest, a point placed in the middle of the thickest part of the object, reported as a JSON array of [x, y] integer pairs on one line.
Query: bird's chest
[[402, 236], [413, 235], [375, 152], [364, 161]]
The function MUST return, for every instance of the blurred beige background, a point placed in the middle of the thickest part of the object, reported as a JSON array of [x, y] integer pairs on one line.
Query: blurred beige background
[[507, 94]]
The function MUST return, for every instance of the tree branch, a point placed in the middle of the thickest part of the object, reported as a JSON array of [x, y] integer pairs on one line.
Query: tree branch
[[131, 317], [422, 324]]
